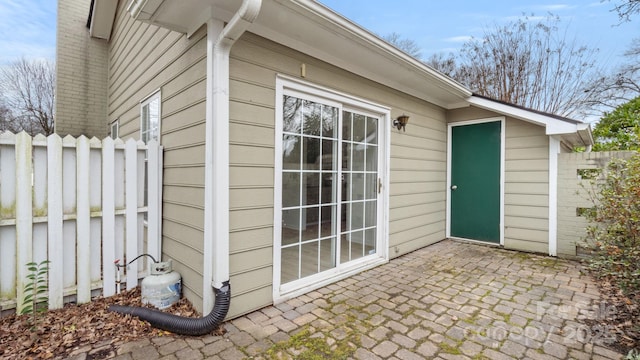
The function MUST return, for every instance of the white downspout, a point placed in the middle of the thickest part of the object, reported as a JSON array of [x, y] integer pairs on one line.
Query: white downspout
[[220, 39]]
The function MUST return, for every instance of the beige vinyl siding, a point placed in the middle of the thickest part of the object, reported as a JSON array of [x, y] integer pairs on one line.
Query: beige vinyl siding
[[143, 59], [251, 149], [418, 162], [526, 197], [526, 187]]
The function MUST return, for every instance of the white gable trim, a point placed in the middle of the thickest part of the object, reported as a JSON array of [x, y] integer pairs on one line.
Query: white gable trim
[[552, 125]]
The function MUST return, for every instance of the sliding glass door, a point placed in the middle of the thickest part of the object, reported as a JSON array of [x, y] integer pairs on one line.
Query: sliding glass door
[[330, 184]]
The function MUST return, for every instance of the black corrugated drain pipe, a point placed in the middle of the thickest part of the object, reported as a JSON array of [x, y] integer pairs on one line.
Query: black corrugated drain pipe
[[180, 324]]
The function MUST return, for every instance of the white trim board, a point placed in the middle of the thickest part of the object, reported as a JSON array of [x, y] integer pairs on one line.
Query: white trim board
[[450, 126], [554, 150]]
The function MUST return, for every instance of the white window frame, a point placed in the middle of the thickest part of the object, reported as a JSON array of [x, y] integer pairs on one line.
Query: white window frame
[[286, 85], [145, 102], [114, 131]]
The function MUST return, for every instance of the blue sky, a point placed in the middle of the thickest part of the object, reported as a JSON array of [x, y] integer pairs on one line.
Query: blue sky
[[442, 26], [28, 27]]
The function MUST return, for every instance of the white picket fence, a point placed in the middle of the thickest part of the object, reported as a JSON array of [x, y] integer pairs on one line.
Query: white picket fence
[[79, 203]]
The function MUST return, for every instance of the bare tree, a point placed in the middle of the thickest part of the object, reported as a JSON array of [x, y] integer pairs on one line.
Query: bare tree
[[407, 45], [626, 8], [6, 118], [622, 84], [445, 63], [527, 63], [28, 87]]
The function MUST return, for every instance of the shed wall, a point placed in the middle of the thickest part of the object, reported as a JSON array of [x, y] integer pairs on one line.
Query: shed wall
[[526, 198], [526, 188]]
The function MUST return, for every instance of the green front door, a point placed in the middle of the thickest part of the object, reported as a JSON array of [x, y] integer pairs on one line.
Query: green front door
[[475, 181]]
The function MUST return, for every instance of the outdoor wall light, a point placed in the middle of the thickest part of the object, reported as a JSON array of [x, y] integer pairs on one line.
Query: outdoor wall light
[[401, 121]]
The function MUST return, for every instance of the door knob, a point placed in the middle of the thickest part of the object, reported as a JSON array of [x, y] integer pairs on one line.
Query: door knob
[[453, 187]]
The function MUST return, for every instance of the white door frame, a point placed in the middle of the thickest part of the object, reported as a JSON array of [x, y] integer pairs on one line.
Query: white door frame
[[450, 126], [350, 103]]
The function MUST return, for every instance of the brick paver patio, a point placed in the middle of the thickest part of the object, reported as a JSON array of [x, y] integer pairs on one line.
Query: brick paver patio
[[451, 300]]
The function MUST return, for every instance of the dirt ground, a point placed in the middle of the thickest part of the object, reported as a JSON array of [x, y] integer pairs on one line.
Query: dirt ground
[[59, 332]]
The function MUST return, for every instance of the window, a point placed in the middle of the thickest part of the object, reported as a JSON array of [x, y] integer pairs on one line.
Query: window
[[150, 118], [115, 129], [149, 130]]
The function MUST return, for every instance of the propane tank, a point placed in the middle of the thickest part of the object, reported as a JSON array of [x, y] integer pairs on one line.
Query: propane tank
[[162, 288]]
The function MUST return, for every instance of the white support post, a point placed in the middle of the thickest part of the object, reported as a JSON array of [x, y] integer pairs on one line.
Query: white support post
[[54, 221], [554, 150]]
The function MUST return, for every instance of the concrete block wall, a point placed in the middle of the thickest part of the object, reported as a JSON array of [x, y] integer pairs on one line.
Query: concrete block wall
[[82, 76], [573, 193]]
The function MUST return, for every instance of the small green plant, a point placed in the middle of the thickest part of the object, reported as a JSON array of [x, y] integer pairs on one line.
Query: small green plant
[[633, 355], [35, 301]]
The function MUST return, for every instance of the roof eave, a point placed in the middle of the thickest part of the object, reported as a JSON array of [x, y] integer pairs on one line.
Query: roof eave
[[577, 134], [313, 29], [101, 18]]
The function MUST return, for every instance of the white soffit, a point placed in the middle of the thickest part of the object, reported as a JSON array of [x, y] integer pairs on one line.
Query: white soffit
[[313, 29], [102, 16]]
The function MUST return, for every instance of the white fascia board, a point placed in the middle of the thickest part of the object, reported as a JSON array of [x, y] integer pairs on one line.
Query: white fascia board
[[552, 125]]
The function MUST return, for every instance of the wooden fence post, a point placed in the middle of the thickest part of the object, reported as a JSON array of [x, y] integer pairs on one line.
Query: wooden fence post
[[131, 204], [83, 221], [7, 216], [55, 220], [108, 218], [24, 214]]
